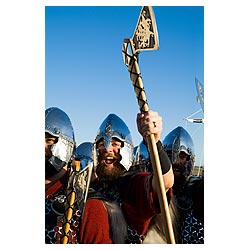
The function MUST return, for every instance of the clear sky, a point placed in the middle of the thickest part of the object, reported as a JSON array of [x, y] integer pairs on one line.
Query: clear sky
[[23, 97], [86, 77]]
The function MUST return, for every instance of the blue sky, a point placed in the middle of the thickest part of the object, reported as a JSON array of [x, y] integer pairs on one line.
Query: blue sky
[[86, 77], [23, 97]]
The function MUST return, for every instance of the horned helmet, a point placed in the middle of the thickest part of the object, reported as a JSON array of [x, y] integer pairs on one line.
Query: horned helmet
[[114, 127], [179, 140], [58, 124]]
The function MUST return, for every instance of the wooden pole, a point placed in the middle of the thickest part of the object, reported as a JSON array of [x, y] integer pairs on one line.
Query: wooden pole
[[70, 200], [135, 77]]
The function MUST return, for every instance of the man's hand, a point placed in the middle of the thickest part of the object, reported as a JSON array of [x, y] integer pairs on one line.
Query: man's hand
[[149, 123]]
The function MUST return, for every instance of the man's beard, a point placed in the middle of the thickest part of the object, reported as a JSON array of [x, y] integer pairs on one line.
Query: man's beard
[[106, 174], [49, 169]]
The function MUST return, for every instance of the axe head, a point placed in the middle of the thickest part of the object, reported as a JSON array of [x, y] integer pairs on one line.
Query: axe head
[[145, 35], [200, 91]]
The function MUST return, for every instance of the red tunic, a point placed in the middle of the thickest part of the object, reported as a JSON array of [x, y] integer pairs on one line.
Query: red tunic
[[95, 224], [139, 205]]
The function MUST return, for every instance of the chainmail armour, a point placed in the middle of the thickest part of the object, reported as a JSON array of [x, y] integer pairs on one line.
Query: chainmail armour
[[192, 230], [110, 196], [191, 226], [54, 212]]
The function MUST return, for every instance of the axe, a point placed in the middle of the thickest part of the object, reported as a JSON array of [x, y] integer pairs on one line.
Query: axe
[[146, 38], [77, 191]]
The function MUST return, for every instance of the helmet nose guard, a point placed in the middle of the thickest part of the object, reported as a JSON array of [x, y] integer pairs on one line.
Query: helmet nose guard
[[114, 127], [57, 123]]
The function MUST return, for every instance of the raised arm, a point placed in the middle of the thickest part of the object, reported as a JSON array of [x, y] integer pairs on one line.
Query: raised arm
[[150, 122]]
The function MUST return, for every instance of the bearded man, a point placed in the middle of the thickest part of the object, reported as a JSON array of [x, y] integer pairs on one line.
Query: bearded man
[[121, 203]]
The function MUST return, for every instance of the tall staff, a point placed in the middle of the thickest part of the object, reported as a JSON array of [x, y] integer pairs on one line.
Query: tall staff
[[69, 207], [146, 38], [77, 192]]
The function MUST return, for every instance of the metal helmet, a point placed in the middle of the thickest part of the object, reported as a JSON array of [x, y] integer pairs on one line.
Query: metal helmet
[[57, 123], [179, 140], [142, 160], [114, 127], [141, 154], [84, 153], [135, 150]]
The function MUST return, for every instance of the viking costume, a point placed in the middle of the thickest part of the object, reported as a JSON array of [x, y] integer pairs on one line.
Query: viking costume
[[58, 124], [118, 211], [189, 193]]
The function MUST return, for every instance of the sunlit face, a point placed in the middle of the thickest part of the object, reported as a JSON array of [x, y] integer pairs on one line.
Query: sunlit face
[[49, 141], [109, 167]]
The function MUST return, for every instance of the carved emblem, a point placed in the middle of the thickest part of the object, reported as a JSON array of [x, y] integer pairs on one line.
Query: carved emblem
[[145, 35]]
